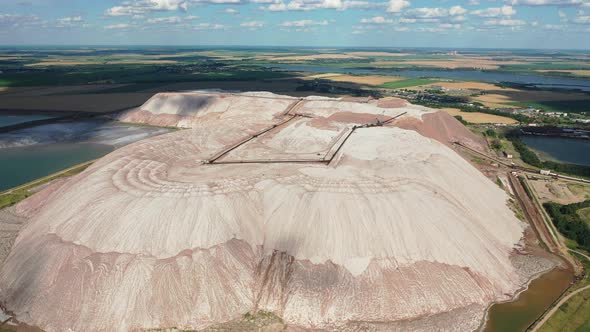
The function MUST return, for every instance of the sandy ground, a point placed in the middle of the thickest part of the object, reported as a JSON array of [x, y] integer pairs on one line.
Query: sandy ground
[[120, 214], [494, 100], [550, 190], [10, 225], [581, 190], [324, 75], [476, 117], [241, 227]]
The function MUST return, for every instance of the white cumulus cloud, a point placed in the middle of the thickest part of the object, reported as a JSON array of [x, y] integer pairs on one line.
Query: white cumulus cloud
[[495, 11], [303, 5], [303, 23], [252, 24], [396, 6], [118, 26], [138, 7], [505, 22], [546, 2]]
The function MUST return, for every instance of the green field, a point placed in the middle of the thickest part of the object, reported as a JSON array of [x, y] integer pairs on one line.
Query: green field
[[573, 316], [545, 66], [407, 83]]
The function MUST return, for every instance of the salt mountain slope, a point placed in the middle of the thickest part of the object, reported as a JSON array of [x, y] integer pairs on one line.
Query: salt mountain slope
[[397, 227]]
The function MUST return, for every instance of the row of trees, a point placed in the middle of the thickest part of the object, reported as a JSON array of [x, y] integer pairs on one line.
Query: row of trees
[[462, 104], [569, 222], [323, 86]]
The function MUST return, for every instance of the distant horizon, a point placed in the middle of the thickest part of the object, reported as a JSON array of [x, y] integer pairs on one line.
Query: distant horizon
[[453, 24], [16, 46]]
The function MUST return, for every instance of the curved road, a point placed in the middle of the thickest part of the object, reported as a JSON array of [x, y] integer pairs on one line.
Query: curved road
[[580, 253], [565, 299]]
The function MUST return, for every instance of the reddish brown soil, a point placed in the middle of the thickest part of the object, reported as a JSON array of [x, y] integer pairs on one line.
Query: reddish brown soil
[[444, 128], [357, 99], [360, 118], [391, 103]]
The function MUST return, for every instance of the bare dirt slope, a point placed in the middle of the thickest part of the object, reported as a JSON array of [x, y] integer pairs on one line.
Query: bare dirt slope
[[269, 203]]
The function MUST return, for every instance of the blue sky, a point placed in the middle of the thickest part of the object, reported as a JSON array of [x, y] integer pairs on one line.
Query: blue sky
[[555, 24]]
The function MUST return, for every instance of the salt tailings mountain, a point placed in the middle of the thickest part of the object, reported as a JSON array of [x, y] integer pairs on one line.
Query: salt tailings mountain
[[329, 213]]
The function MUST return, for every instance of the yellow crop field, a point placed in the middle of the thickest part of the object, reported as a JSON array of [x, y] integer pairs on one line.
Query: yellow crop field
[[477, 117]]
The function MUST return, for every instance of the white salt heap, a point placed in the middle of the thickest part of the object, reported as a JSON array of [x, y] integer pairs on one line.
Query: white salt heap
[[396, 227]]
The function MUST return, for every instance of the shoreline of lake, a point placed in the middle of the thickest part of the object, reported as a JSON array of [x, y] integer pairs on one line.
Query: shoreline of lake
[[560, 149]]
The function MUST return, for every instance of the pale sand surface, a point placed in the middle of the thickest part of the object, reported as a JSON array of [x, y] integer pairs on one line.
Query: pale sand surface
[[550, 190], [396, 228], [324, 75]]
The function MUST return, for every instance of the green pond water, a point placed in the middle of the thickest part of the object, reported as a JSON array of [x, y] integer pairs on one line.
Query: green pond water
[[9, 120], [20, 165], [519, 314]]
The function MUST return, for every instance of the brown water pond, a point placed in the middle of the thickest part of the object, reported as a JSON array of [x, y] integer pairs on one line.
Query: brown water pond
[[519, 314]]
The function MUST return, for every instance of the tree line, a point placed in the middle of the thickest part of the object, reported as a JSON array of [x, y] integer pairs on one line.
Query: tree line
[[531, 158], [569, 222]]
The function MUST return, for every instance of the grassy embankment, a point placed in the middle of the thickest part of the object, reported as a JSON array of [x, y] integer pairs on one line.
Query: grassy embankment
[[556, 68], [573, 315], [585, 215], [15, 195], [573, 221]]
